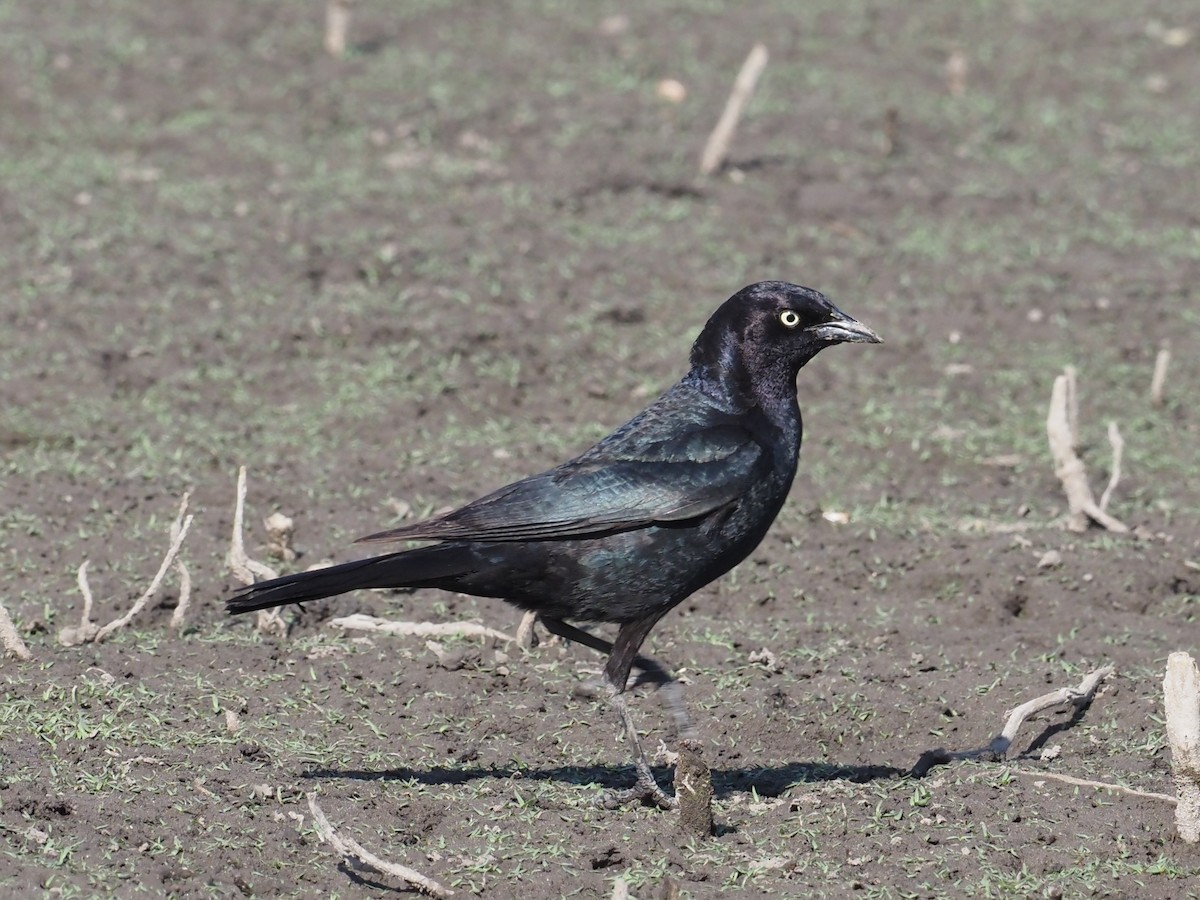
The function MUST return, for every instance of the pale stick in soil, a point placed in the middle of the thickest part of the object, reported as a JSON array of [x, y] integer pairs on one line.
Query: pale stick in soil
[[88, 631], [1118, 450], [988, 526], [717, 147], [362, 622], [1079, 697], [1158, 382], [10, 638], [247, 570], [527, 636], [1061, 431], [337, 23], [1181, 700], [957, 68], [185, 579], [1087, 782], [889, 134], [280, 529], [354, 853]]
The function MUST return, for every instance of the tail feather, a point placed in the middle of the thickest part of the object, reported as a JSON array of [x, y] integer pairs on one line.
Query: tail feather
[[407, 568]]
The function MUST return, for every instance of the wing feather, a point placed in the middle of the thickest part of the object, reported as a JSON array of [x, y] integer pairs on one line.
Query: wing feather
[[681, 478]]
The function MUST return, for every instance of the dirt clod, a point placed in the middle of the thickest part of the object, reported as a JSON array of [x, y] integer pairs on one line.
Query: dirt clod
[[694, 789]]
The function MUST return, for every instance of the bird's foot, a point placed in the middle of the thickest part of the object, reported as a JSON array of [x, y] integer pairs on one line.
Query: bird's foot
[[645, 790]]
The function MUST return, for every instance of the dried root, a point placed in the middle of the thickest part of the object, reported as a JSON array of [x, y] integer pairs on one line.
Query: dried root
[[355, 854], [279, 536], [185, 577], [1062, 433], [337, 23], [88, 631], [10, 638], [1118, 451], [362, 622], [956, 70], [997, 749], [247, 570], [1098, 785], [1181, 698], [527, 636], [717, 147], [1158, 382]]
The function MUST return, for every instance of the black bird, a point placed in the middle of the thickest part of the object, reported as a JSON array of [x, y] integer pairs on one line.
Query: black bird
[[671, 500]]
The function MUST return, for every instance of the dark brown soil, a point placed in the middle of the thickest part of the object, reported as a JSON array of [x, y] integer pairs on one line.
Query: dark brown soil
[[467, 249]]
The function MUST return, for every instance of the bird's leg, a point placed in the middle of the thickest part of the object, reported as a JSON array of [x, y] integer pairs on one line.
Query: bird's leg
[[616, 676], [672, 694], [645, 788], [650, 672], [578, 635]]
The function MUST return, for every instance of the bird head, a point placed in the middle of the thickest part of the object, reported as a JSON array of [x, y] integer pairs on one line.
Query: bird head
[[759, 338]]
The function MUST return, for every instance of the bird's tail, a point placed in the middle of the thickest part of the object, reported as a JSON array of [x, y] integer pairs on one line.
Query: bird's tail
[[421, 567]]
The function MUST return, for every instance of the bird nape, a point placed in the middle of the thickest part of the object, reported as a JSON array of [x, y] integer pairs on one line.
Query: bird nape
[[670, 501]]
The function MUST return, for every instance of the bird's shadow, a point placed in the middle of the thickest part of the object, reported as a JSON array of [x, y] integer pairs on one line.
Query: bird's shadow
[[767, 781]]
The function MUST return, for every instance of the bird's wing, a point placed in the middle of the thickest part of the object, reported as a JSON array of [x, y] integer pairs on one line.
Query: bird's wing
[[671, 480]]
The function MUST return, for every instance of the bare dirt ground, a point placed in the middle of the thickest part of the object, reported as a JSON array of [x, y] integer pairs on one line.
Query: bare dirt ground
[[467, 249]]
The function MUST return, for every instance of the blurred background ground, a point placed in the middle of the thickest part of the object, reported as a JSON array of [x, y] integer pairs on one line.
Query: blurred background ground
[[468, 248]]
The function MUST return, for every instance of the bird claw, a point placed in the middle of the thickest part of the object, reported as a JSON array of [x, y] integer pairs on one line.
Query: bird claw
[[644, 791]]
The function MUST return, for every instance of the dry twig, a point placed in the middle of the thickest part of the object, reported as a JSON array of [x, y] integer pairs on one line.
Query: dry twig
[[363, 622], [717, 147], [185, 579], [337, 23], [10, 638], [957, 68], [1099, 785], [1181, 699], [279, 536], [247, 570], [88, 631], [889, 142], [1158, 382], [1079, 697], [991, 526], [1118, 450], [1072, 404], [354, 853], [1062, 433], [185, 594], [527, 637]]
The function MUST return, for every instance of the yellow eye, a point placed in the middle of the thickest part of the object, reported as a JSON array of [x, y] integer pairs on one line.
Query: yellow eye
[[789, 318]]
